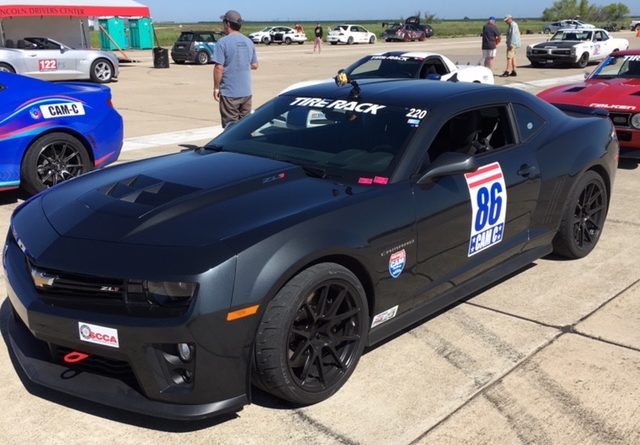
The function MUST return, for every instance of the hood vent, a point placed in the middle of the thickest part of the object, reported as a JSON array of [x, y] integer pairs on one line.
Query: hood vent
[[574, 90], [147, 191], [637, 93]]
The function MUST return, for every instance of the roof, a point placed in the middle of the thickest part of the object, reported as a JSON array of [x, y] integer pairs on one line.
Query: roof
[[72, 8]]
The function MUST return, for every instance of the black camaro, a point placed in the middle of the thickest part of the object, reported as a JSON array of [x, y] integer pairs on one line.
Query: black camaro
[[326, 221]]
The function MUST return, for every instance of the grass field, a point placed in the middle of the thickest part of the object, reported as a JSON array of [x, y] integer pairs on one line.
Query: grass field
[[167, 33]]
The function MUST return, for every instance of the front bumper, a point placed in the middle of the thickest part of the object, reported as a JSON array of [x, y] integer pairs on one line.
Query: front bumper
[[562, 56], [143, 374]]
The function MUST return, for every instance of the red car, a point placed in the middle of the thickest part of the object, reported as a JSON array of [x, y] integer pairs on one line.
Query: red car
[[615, 86]]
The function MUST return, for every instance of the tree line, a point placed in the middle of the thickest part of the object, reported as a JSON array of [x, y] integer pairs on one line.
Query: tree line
[[566, 9]]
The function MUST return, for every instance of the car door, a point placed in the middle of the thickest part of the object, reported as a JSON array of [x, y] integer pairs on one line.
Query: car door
[[602, 45], [469, 223], [358, 34], [48, 60]]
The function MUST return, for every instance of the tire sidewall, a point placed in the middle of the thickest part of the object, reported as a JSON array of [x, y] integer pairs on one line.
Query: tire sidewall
[[93, 74]]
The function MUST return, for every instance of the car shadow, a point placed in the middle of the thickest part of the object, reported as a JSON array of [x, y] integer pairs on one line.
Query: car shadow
[[13, 196]]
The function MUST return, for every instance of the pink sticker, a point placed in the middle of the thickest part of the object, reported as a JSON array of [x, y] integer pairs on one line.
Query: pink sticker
[[380, 180]]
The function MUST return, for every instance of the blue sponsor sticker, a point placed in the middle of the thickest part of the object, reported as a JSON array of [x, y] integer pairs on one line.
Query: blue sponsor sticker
[[397, 262]]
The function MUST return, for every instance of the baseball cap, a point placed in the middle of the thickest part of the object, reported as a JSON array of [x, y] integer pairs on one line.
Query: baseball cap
[[507, 17], [492, 18], [232, 16]]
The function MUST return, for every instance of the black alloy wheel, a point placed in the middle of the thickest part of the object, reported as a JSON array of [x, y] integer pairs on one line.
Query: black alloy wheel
[[584, 217], [312, 335], [52, 159]]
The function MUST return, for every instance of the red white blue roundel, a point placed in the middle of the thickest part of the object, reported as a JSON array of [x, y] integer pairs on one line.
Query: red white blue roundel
[[397, 261], [488, 194]]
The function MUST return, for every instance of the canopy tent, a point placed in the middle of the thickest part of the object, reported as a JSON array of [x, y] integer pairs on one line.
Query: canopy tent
[[62, 20]]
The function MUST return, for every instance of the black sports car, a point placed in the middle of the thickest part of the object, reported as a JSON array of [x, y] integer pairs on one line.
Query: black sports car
[[326, 221]]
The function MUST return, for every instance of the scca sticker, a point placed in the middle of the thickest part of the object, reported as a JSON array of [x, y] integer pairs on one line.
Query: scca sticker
[[397, 261], [99, 335], [489, 207], [65, 109]]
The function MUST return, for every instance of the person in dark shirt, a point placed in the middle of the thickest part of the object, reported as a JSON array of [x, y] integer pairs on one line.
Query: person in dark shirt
[[317, 42], [490, 40]]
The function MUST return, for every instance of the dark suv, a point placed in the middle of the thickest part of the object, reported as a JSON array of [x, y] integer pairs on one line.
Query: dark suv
[[194, 46]]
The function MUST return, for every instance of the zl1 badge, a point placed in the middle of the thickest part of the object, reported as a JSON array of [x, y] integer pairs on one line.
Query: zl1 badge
[[488, 194]]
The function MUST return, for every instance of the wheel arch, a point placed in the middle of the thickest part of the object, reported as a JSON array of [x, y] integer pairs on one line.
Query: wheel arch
[[604, 174], [9, 65]]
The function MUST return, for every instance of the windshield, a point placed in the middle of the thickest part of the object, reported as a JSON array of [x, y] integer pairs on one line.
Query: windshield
[[620, 66], [348, 140], [398, 67], [573, 35]]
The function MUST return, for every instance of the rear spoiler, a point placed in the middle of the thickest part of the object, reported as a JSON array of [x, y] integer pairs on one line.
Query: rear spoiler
[[577, 110]]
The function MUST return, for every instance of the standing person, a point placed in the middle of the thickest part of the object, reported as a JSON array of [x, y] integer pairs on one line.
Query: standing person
[[513, 42], [234, 56], [317, 43], [490, 40]]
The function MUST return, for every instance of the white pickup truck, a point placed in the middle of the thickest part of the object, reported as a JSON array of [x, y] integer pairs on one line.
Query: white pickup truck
[[635, 25], [575, 47]]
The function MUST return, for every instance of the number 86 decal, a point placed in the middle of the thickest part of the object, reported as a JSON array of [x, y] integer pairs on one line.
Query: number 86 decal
[[488, 194]]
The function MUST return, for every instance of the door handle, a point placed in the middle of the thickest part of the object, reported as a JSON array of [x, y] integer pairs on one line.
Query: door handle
[[528, 171]]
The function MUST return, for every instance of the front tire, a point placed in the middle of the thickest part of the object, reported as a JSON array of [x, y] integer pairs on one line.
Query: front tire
[[6, 68], [288, 41], [51, 159], [372, 40], [101, 71], [312, 335], [583, 218], [583, 61]]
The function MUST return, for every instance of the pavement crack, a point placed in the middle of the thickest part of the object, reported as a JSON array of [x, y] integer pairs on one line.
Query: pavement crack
[[323, 428]]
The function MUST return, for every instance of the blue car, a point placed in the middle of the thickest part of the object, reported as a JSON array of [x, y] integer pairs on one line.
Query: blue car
[[194, 46], [51, 132]]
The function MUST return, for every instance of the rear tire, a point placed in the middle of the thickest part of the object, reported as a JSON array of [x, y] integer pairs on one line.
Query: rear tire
[[101, 71], [583, 217], [52, 159], [6, 68], [202, 58], [350, 41], [312, 335]]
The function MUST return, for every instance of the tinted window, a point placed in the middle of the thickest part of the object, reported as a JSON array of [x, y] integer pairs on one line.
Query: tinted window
[[366, 140], [474, 132], [398, 67], [528, 122]]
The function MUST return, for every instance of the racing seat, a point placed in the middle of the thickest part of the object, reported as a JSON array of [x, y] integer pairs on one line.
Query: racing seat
[[9, 43], [22, 44]]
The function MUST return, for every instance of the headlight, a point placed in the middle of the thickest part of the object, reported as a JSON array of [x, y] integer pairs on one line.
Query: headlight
[[635, 121], [573, 50], [167, 293]]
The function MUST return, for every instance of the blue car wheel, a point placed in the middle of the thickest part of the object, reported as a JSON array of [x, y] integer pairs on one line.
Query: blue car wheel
[[52, 159]]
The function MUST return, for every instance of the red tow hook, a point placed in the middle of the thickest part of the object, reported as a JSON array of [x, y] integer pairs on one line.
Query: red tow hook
[[75, 357]]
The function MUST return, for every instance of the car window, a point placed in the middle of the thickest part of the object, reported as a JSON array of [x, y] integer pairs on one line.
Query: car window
[[366, 140], [527, 121], [37, 43], [621, 66], [399, 67], [186, 37], [601, 36], [433, 65], [474, 132]]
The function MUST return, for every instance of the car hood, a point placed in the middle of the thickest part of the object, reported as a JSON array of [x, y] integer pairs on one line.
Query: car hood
[[564, 44], [612, 94], [190, 199]]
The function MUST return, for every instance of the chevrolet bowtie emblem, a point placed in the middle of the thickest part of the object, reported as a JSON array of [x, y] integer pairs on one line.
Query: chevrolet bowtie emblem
[[42, 279]]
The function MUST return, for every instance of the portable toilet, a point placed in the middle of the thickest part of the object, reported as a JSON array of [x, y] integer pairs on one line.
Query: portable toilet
[[116, 38], [141, 33]]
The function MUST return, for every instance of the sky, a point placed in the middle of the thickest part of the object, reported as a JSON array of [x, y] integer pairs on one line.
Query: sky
[[342, 10]]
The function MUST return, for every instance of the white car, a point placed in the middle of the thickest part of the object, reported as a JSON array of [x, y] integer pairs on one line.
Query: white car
[[566, 24], [350, 34], [410, 65], [47, 59], [278, 34], [575, 47]]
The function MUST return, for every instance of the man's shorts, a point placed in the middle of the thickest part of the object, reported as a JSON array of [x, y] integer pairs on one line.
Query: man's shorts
[[511, 53], [232, 109], [488, 53]]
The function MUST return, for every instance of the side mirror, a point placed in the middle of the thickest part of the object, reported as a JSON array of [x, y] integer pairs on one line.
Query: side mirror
[[447, 164], [63, 49]]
